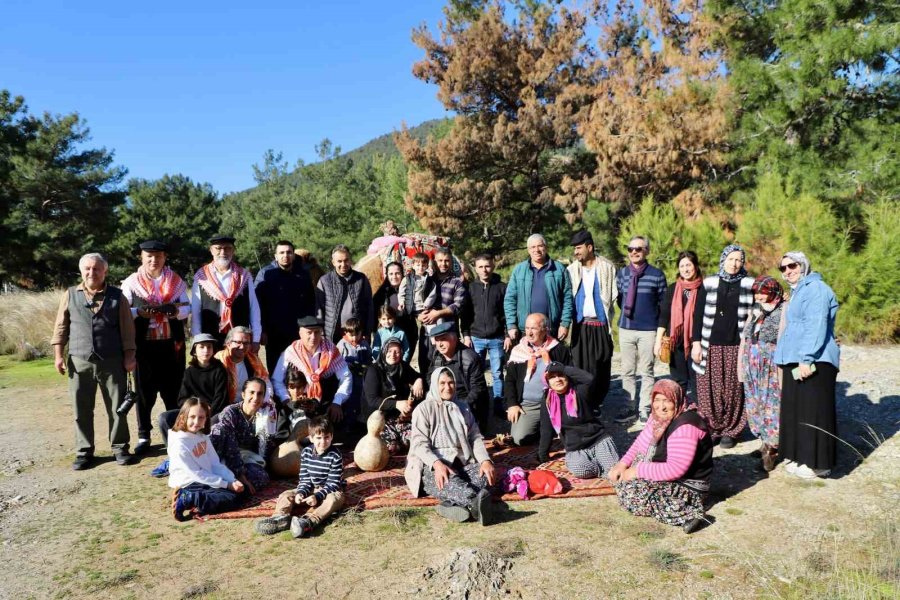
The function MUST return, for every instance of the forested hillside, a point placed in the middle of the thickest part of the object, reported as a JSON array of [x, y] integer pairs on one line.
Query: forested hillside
[[772, 124]]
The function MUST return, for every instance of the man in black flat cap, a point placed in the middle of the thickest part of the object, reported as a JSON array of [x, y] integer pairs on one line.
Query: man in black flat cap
[[467, 367], [159, 306], [594, 288], [223, 295], [327, 375]]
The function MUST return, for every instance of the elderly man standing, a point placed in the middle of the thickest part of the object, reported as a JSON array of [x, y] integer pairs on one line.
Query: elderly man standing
[[452, 298], [94, 319], [344, 294], [285, 294], [159, 305], [594, 288], [525, 386], [328, 377], [223, 296], [642, 288], [538, 285], [467, 367]]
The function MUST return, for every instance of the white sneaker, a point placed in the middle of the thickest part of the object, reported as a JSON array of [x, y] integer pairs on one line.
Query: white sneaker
[[790, 466], [804, 472]]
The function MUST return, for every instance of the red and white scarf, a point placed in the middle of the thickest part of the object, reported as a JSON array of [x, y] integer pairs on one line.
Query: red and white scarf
[[526, 352], [330, 360], [171, 286], [240, 278]]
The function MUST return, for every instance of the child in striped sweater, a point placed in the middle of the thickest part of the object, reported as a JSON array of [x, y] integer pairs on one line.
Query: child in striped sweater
[[319, 493]]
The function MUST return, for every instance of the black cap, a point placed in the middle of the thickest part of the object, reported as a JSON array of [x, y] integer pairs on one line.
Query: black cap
[[153, 246], [310, 322], [582, 237], [555, 367], [221, 238], [442, 328]]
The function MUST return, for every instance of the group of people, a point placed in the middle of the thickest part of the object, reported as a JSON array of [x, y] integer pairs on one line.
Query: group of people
[[740, 351]]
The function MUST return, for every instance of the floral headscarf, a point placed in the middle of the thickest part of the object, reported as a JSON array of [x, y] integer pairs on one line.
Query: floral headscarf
[[672, 391]]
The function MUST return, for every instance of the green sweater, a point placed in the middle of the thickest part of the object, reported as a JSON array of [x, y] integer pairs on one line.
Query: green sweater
[[517, 303]]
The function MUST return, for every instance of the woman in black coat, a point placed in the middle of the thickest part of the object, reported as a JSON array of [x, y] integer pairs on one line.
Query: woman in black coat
[[392, 386]]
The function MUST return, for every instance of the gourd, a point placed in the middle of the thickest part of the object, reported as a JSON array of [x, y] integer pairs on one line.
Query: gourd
[[371, 453]]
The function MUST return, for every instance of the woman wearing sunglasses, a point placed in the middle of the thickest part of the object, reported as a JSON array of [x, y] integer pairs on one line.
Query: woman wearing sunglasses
[[809, 358]]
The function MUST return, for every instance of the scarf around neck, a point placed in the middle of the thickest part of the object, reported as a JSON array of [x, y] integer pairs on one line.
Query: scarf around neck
[[728, 276], [259, 370], [526, 352], [631, 296], [554, 405], [329, 361], [240, 278], [672, 391], [681, 323], [171, 286]]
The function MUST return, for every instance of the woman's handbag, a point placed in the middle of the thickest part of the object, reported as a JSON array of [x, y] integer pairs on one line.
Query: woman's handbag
[[665, 349]]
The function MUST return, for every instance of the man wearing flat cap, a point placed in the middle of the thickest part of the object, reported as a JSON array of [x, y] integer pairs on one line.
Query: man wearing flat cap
[[467, 367], [159, 306], [327, 375], [595, 292], [223, 295]]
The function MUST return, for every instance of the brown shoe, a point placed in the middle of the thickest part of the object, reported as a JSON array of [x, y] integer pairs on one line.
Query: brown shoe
[[769, 458]]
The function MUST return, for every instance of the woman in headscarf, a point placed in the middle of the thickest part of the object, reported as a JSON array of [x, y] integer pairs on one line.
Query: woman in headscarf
[[566, 412], [388, 295], [676, 318], [722, 308], [447, 458], [758, 371], [665, 474], [392, 386], [809, 358]]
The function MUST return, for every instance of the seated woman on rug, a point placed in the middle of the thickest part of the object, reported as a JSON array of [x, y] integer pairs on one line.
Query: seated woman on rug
[[243, 435], [665, 474], [447, 457], [392, 386], [590, 451]]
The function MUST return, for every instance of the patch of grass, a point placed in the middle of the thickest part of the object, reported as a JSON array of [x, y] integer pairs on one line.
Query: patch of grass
[[402, 519], [734, 511], [101, 581], [16, 374], [665, 560], [706, 575], [507, 547]]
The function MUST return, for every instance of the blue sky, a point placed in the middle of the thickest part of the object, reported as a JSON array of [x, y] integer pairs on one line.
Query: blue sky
[[204, 88]]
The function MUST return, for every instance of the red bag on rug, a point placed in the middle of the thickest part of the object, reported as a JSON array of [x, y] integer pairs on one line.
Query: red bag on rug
[[544, 482]]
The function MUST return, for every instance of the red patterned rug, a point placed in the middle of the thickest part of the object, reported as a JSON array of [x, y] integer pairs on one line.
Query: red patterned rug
[[388, 487]]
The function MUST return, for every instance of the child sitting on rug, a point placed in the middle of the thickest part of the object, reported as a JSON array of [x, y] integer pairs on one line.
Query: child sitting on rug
[[665, 474], [203, 485], [590, 451], [320, 488], [357, 353]]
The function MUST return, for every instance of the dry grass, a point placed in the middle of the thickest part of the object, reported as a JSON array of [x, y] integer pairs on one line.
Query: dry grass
[[26, 323]]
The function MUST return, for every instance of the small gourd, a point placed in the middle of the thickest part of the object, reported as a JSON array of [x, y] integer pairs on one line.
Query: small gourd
[[371, 453]]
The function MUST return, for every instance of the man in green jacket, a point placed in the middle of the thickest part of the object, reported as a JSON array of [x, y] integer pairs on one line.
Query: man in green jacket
[[539, 285]]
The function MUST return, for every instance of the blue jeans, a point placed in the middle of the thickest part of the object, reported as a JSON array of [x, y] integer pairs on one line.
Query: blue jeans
[[493, 348]]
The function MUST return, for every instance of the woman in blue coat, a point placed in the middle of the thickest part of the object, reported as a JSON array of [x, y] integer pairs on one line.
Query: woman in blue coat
[[809, 358]]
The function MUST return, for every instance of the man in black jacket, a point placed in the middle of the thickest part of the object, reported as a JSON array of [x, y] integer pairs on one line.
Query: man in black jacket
[[285, 293], [344, 294], [484, 326], [466, 366], [526, 389]]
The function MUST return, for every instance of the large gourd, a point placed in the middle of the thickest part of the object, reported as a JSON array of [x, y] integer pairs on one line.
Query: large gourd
[[371, 453]]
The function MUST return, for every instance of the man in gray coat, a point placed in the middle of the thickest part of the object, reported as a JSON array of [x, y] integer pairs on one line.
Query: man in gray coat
[[94, 320]]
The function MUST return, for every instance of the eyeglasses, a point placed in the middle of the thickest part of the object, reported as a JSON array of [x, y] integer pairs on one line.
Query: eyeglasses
[[791, 266], [635, 248]]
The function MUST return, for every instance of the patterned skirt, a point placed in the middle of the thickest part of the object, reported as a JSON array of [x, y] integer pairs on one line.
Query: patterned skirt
[[720, 394], [396, 435], [762, 391], [669, 502]]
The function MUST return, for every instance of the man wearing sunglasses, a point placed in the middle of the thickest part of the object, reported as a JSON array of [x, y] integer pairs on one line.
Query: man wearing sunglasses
[[642, 288]]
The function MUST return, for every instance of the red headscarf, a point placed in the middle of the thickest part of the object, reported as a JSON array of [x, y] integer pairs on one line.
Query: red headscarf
[[673, 392]]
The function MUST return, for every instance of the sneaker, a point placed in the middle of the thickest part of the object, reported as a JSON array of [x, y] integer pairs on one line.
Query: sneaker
[[626, 415], [790, 466], [124, 458], [300, 526], [804, 472], [181, 507], [162, 470], [452, 512], [142, 446], [482, 508], [727, 442], [642, 419], [693, 525], [82, 462], [273, 525]]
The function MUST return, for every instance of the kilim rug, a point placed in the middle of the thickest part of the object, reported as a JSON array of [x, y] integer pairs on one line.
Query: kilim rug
[[388, 487]]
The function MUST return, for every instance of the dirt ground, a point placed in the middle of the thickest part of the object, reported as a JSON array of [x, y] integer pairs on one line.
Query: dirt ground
[[108, 532]]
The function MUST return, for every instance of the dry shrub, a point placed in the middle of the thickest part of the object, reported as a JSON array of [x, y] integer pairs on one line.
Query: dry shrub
[[26, 323]]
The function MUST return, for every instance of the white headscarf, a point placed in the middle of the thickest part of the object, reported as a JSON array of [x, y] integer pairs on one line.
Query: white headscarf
[[801, 259]]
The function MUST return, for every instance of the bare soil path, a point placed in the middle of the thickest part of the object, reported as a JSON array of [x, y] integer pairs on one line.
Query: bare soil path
[[108, 532]]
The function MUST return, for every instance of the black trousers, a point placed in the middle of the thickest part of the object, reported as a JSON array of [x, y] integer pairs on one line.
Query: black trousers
[[160, 369], [682, 373], [592, 351], [275, 345], [808, 427]]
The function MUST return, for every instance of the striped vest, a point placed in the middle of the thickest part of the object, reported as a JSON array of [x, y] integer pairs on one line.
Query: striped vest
[[711, 285]]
